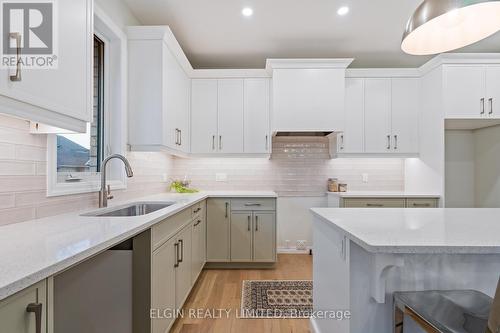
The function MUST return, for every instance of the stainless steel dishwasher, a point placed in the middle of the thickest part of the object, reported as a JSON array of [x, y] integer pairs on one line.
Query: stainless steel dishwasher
[[95, 296]]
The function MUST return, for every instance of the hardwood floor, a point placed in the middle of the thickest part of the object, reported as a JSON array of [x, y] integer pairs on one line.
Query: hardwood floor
[[221, 289]]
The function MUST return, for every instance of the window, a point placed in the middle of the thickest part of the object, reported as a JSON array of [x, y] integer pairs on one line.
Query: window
[[73, 164], [80, 155]]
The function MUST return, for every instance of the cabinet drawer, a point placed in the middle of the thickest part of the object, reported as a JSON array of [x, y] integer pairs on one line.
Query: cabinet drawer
[[198, 210], [422, 203], [162, 231], [374, 203], [253, 204]]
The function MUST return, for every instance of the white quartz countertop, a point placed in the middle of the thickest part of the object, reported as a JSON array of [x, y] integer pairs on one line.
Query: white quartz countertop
[[34, 250], [421, 230], [382, 194]]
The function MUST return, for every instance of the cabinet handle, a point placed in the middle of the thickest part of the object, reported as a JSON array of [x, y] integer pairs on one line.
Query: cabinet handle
[[342, 141], [227, 206], [256, 222], [181, 243], [36, 308], [197, 222], [197, 210], [17, 37], [213, 142], [177, 136], [421, 205], [249, 228], [395, 142], [176, 247], [388, 142], [267, 142], [374, 205], [491, 105], [252, 204], [180, 137], [482, 105], [220, 142]]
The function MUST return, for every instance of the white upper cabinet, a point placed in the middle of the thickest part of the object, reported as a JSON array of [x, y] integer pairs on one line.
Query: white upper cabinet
[[230, 117], [378, 115], [256, 116], [204, 116], [352, 139], [308, 95], [159, 91], [471, 91], [381, 116], [404, 115], [60, 96]]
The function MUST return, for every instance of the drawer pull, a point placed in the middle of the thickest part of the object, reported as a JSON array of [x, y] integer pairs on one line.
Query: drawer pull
[[421, 205], [197, 210], [250, 204], [197, 223], [374, 205], [36, 308]]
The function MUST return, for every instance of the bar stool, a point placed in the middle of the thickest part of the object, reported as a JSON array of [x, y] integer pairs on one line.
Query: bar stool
[[447, 311]]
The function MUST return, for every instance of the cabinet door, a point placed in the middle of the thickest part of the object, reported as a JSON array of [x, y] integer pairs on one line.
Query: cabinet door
[[67, 89], [256, 111], [352, 139], [493, 91], [218, 217], [198, 247], [13, 315], [177, 94], [377, 115], [183, 279], [464, 91], [163, 283], [204, 116], [241, 236], [405, 108], [230, 117], [264, 237]]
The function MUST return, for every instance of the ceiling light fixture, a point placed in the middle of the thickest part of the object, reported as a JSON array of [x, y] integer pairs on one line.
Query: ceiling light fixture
[[247, 11], [439, 26], [343, 10]]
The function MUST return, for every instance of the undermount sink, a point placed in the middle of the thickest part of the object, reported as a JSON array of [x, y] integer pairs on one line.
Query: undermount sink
[[133, 209]]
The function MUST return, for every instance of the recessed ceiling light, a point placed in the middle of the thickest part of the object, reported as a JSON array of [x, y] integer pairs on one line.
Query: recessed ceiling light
[[247, 11], [343, 10]]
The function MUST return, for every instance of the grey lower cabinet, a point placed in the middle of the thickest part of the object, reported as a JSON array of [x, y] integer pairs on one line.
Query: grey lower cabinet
[[218, 229], [253, 236], [241, 230], [400, 202], [199, 231], [25, 311]]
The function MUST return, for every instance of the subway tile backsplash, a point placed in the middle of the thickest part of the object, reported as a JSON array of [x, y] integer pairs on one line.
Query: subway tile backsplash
[[23, 170], [298, 167]]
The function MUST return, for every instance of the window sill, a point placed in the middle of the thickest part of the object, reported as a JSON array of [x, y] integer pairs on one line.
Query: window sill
[[61, 189]]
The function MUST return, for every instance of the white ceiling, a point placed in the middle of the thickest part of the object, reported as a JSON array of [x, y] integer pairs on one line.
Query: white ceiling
[[214, 34]]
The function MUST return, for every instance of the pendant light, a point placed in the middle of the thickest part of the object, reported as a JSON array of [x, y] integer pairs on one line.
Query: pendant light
[[443, 25]]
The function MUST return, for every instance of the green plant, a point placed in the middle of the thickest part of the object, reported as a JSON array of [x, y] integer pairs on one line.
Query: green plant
[[178, 187]]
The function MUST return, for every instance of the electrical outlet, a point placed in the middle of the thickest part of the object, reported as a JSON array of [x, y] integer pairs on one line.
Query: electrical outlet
[[365, 177], [301, 245], [221, 177]]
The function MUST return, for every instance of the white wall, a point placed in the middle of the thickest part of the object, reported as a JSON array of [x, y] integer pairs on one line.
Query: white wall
[[459, 169]]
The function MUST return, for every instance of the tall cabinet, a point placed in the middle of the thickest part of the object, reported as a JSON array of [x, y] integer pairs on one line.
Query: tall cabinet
[[159, 91]]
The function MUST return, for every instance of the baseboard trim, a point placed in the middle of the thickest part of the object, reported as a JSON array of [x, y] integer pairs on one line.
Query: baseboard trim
[[313, 325], [284, 250]]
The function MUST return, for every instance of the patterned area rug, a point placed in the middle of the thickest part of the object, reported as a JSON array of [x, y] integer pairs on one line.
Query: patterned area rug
[[276, 299]]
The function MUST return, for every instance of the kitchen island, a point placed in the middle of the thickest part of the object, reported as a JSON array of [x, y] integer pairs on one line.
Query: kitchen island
[[361, 256]]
